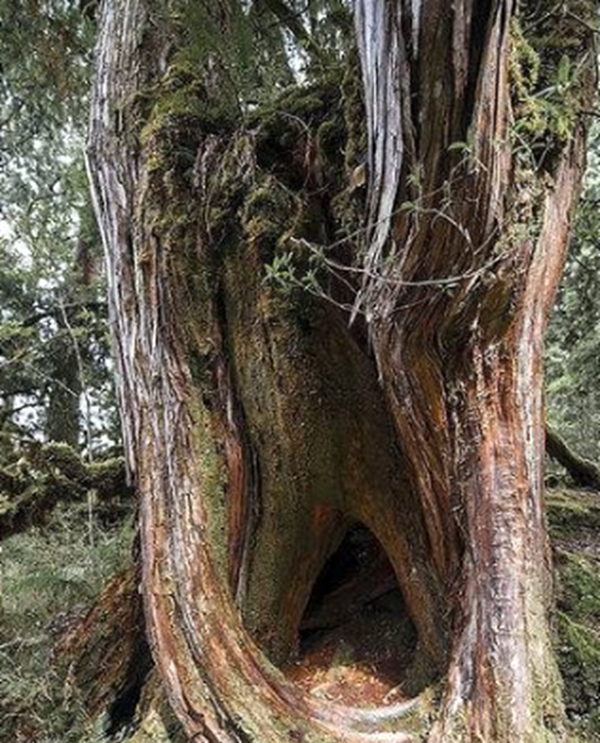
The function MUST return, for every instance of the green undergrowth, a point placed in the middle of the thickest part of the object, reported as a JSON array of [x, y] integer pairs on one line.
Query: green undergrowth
[[574, 518], [50, 576]]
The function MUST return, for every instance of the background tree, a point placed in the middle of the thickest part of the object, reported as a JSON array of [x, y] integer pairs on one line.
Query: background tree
[[54, 380], [574, 334], [261, 426]]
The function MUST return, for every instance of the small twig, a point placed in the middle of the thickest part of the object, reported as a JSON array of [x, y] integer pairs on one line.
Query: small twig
[[392, 279], [22, 642], [582, 21], [48, 378]]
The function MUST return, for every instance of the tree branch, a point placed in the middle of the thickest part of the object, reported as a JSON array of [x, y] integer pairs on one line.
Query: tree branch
[[584, 472], [294, 25], [48, 474]]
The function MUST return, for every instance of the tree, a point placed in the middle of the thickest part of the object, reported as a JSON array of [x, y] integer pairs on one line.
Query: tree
[[572, 339], [54, 352], [54, 378], [401, 391]]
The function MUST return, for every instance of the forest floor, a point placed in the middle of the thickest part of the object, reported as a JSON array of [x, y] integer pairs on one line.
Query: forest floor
[[357, 642], [359, 660], [51, 575], [574, 518]]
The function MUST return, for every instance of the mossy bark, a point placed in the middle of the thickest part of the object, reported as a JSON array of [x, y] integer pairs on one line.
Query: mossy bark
[[583, 472], [259, 423], [48, 474]]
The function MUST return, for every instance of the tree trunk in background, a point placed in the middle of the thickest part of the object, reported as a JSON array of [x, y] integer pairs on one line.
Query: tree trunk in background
[[260, 425], [65, 388]]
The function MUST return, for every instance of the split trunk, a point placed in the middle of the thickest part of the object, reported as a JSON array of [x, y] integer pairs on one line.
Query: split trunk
[[297, 449]]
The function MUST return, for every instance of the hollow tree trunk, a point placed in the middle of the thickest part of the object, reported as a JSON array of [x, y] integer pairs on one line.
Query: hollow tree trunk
[[259, 425]]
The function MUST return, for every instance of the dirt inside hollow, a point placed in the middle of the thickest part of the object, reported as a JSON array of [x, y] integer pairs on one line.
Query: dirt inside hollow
[[356, 640]]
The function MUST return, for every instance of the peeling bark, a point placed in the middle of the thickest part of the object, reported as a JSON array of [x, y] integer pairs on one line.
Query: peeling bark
[[462, 368], [258, 424], [107, 654]]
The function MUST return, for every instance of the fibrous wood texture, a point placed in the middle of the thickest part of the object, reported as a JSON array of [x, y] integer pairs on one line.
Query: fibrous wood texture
[[458, 308], [259, 424]]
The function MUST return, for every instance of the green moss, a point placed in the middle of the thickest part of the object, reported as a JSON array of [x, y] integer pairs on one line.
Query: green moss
[[572, 513], [307, 103], [181, 97], [580, 588], [64, 459], [524, 68], [107, 476], [579, 660], [151, 730], [550, 63], [300, 136], [354, 113], [331, 136], [578, 621], [347, 205], [524, 62], [212, 476], [266, 211]]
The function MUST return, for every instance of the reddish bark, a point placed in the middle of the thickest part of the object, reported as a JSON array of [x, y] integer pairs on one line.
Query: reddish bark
[[259, 426], [462, 368]]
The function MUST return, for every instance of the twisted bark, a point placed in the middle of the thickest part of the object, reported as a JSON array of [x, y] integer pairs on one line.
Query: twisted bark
[[259, 425]]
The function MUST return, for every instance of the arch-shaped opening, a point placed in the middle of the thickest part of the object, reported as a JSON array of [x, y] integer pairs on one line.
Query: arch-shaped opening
[[357, 642]]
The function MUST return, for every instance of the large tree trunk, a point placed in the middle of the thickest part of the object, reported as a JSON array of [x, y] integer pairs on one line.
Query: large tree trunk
[[462, 367], [260, 425]]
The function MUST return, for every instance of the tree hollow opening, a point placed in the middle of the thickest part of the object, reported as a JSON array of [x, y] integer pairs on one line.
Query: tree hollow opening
[[357, 642]]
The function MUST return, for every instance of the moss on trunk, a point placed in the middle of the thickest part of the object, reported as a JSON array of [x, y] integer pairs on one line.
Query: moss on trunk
[[260, 423], [48, 474]]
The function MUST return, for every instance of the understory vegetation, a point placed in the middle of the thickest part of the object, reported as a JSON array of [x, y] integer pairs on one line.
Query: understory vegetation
[[52, 576], [573, 337], [574, 518]]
